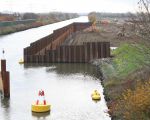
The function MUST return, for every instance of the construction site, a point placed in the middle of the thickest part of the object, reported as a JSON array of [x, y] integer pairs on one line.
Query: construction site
[[114, 32]]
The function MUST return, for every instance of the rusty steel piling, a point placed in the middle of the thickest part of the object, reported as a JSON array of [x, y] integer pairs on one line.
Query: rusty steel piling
[[5, 79], [50, 49]]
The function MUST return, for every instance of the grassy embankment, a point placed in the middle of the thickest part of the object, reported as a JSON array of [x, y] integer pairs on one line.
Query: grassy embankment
[[19, 27], [40, 21], [127, 83]]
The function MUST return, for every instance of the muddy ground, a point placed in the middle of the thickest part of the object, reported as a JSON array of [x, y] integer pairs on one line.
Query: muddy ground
[[110, 32]]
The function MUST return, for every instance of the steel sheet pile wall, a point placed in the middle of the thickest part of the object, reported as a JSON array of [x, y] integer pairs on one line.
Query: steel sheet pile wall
[[73, 54], [80, 53], [51, 42], [49, 49]]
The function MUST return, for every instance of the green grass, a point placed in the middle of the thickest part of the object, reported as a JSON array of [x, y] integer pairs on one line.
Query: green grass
[[123, 71], [129, 58]]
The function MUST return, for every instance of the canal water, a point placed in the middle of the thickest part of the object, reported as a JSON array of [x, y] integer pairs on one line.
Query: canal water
[[67, 87]]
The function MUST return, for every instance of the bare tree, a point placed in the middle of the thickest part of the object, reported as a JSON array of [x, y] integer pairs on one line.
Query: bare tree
[[142, 20]]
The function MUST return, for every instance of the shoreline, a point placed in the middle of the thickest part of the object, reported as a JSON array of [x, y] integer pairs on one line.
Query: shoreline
[[120, 87], [22, 27], [98, 64]]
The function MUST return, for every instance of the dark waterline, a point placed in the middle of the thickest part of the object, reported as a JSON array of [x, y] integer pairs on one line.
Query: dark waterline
[[67, 87]]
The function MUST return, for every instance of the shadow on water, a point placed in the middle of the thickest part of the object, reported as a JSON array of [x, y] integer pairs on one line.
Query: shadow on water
[[68, 68], [96, 101], [5, 103], [40, 116]]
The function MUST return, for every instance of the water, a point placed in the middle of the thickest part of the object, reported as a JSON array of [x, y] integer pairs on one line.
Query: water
[[67, 87]]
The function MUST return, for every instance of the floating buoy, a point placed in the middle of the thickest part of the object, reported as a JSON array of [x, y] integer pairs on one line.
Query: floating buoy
[[21, 61], [40, 105], [96, 95]]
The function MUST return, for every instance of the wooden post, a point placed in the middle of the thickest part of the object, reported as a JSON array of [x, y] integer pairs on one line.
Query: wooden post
[[5, 79]]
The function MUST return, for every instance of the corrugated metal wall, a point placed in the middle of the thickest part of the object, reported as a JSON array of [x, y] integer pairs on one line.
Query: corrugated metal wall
[[49, 49]]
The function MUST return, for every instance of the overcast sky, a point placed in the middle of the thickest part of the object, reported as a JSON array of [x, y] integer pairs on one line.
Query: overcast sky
[[79, 6]]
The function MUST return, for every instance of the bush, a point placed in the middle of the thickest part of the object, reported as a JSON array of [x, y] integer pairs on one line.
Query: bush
[[126, 86], [135, 104]]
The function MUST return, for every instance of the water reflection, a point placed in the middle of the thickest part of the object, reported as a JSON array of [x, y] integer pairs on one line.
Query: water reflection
[[40, 116], [96, 101], [5, 104], [68, 87], [67, 68]]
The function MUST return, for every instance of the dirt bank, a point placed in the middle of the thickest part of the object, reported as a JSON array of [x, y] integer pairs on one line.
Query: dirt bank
[[110, 32]]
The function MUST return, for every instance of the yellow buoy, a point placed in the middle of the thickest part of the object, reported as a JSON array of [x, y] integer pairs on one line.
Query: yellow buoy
[[21, 61], [41, 105], [96, 95], [40, 108]]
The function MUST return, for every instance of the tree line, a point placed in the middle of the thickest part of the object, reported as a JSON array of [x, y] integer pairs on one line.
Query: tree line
[[37, 16]]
